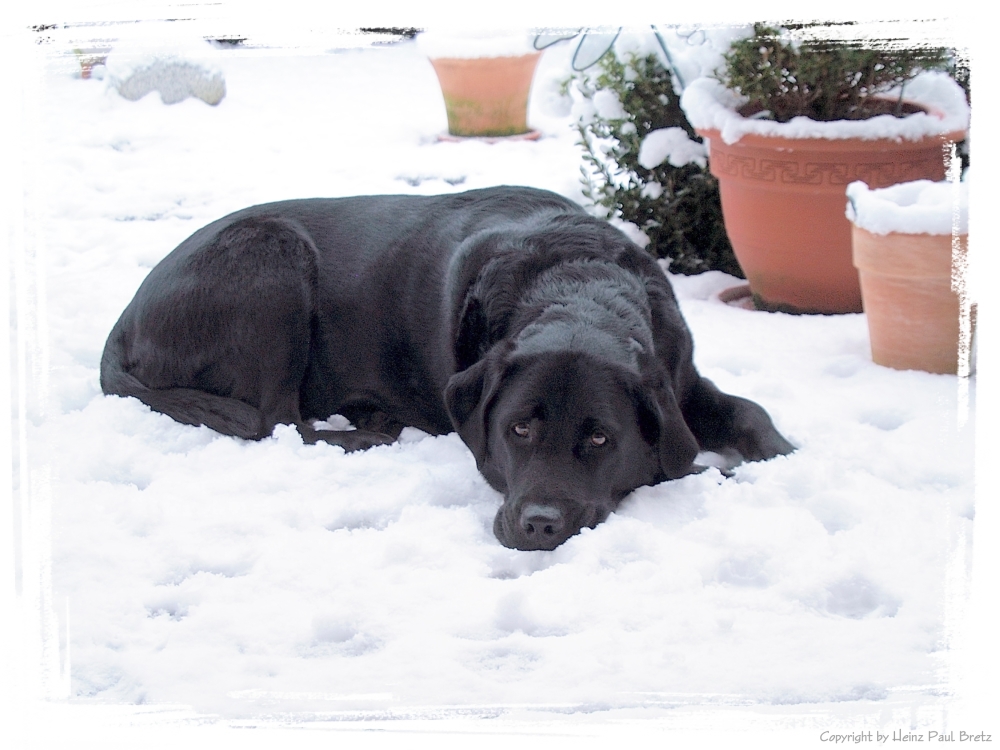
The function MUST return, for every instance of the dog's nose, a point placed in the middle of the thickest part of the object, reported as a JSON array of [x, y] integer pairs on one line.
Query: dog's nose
[[542, 522]]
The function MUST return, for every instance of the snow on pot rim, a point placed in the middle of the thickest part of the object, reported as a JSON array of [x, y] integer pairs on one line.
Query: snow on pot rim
[[709, 105], [918, 207], [474, 44]]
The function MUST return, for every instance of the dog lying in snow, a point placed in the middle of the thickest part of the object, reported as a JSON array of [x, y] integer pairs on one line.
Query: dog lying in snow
[[544, 336]]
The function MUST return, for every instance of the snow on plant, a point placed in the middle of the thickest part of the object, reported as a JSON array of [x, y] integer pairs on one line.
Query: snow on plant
[[671, 145], [822, 79], [645, 165]]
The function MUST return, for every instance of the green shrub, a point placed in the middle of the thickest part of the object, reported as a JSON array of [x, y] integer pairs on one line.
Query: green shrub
[[821, 79], [683, 216]]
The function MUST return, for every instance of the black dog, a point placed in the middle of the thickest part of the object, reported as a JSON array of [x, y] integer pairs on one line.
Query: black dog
[[547, 339]]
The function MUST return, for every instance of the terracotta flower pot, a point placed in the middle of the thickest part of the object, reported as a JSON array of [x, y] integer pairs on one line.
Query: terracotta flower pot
[[913, 312], [486, 96], [783, 206]]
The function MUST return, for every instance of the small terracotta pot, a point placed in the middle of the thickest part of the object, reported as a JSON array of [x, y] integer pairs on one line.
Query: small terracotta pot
[[913, 313], [486, 96], [783, 206]]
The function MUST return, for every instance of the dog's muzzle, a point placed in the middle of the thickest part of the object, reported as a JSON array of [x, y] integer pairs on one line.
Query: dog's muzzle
[[542, 525]]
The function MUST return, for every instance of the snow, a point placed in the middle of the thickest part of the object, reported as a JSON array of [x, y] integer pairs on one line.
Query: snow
[[271, 578], [141, 45], [673, 145], [470, 43], [711, 106], [695, 51], [608, 106], [918, 207]]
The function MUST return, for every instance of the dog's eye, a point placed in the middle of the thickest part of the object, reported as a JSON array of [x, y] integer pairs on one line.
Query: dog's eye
[[598, 438], [522, 429]]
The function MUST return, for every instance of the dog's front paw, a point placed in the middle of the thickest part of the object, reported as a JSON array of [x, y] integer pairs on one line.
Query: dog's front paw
[[764, 443], [356, 440], [349, 440]]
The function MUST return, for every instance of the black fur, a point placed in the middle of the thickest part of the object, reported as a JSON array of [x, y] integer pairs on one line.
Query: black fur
[[548, 340]]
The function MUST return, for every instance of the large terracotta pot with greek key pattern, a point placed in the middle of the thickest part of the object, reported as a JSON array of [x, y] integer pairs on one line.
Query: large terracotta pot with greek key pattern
[[783, 204]]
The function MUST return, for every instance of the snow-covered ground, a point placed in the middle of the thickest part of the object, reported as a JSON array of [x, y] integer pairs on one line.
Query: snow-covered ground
[[275, 579]]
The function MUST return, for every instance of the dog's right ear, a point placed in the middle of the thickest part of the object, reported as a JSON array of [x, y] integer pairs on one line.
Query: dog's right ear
[[467, 398]]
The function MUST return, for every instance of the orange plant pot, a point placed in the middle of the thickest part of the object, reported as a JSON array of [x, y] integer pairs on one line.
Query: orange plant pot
[[783, 206], [486, 96], [912, 310]]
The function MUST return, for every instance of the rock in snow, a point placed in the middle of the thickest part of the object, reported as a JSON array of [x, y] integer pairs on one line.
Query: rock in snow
[[176, 80]]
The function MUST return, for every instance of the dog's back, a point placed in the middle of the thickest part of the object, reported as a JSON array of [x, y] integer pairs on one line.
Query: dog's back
[[283, 312]]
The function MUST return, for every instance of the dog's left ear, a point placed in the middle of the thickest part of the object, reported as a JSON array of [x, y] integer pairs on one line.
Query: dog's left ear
[[662, 425], [472, 340], [467, 398]]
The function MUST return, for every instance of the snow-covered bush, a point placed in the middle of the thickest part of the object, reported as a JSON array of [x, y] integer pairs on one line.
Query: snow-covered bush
[[644, 164]]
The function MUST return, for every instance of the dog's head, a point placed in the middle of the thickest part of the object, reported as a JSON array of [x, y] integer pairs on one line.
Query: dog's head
[[565, 436]]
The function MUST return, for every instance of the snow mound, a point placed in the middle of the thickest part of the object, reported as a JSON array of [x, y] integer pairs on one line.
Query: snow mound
[[484, 43], [608, 106], [673, 145], [918, 207], [709, 105], [177, 67]]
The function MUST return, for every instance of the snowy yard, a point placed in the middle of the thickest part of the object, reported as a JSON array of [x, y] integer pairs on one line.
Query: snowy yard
[[260, 579]]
